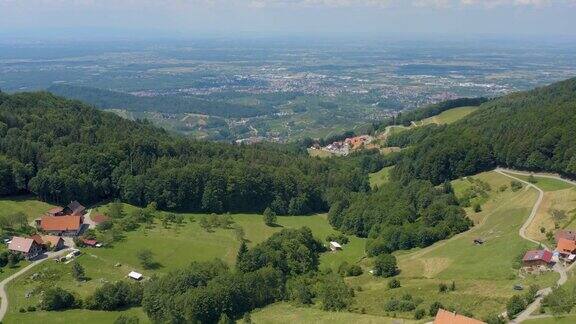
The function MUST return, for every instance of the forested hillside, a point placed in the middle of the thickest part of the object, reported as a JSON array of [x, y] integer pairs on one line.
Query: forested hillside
[[532, 130], [107, 99], [64, 150]]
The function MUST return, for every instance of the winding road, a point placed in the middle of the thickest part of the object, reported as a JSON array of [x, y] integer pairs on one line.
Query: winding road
[[530, 309], [4, 295]]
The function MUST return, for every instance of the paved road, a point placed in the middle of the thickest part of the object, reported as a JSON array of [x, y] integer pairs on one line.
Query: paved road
[[4, 295], [526, 314]]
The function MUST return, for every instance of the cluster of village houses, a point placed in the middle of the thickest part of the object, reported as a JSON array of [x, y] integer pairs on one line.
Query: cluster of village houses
[[343, 148], [543, 259], [55, 224]]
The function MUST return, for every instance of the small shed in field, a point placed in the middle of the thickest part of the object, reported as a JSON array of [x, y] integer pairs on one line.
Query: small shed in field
[[135, 275], [335, 246]]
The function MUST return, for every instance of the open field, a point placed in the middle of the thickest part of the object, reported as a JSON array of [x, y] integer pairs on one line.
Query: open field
[[546, 184], [32, 207], [173, 247], [379, 178], [449, 116], [483, 274], [559, 200], [74, 316], [287, 313], [568, 319], [319, 153]]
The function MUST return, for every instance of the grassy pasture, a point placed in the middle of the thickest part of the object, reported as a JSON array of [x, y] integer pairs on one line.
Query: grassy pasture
[[483, 274], [379, 178], [449, 116], [74, 316], [32, 207], [287, 313], [546, 184]]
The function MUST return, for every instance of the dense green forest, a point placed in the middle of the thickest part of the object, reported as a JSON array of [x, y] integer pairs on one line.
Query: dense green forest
[[64, 150], [107, 99], [532, 130]]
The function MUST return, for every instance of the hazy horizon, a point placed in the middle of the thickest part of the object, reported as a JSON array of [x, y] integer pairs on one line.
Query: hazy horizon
[[145, 19]]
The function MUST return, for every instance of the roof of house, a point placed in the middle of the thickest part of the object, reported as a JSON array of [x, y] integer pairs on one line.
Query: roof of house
[[61, 223], [536, 255], [565, 234], [21, 244], [446, 317], [135, 275], [90, 242], [37, 238], [53, 240], [76, 207], [99, 218], [335, 244], [56, 210], [566, 245]]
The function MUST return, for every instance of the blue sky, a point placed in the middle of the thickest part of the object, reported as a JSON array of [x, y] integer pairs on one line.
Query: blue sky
[[188, 18]]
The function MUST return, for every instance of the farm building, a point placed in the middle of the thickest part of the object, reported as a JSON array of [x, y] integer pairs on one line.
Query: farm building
[[52, 242], [537, 258], [447, 317], [75, 208], [56, 211], [335, 246], [565, 246], [69, 225], [27, 246], [135, 275], [565, 234], [99, 218]]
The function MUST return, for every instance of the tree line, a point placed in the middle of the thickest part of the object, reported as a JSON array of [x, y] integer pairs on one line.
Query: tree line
[[64, 150]]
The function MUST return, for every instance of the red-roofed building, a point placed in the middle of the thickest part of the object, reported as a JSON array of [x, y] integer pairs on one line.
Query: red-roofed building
[[536, 258], [26, 246], [51, 242], [565, 234], [99, 218], [91, 243], [446, 317], [566, 246], [69, 225]]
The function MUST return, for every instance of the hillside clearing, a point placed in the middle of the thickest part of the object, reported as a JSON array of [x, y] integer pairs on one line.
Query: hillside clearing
[[448, 117], [32, 207], [379, 178]]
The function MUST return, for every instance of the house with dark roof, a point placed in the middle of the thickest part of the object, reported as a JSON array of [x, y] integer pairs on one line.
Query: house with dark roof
[[56, 211], [26, 246], [536, 258], [447, 317], [75, 208], [69, 225]]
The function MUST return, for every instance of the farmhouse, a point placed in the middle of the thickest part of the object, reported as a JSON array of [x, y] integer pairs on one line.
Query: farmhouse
[[335, 246], [565, 246], [26, 246], [536, 258], [69, 225], [52, 242], [446, 317]]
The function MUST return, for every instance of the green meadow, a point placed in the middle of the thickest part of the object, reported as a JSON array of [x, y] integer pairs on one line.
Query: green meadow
[[449, 116], [546, 184], [483, 274], [379, 178]]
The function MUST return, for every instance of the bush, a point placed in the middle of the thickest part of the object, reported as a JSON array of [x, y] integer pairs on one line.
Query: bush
[[443, 288], [385, 265], [298, 290], [340, 238], [334, 293], [477, 208], [394, 283], [349, 270], [515, 306], [114, 296], [494, 319], [434, 307], [419, 314], [269, 217], [515, 185], [57, 299]]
